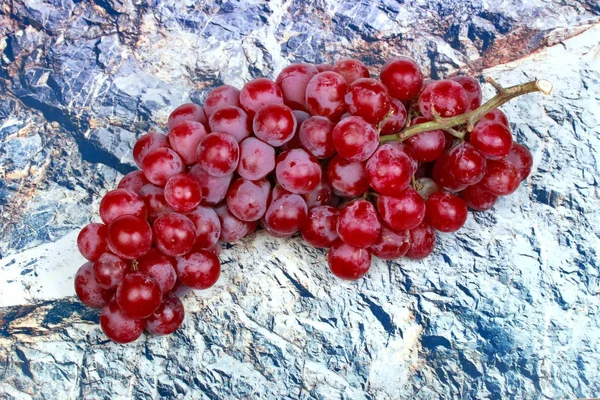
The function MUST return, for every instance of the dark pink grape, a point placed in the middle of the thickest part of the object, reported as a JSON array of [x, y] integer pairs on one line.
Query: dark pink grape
[[146, 144], [133, 181], [184, 139], [118, 326], [293, 80], [213, 188], [208, 227], [501, 177], [403, 212], [222, 96], [257, 159], [496, 115], [355, 139], [88, 290], [447, 97], [274, 124], [258, 93], [389, 170], [426, 146], [492, 139], [315, 136], [348, 262], [183, 193], [466, 165], [349, 178], [422, 241], [297, 171], [351, 70], [199, 269], [286, 214], [231, 120], [320, 229], [320, 195], [272, 232], [446, 212], [369, 99], [325, 94], [521, 158], [442, 175], [187, 112], [473, 90], [232, 228], [403, 78], [396, 121], [154, 197], [161, 164], [91, 241], [109, 271], [168, 317], [138, 295], [160, 267], [120, 202], [129, 237], [218, 154], [390, 245], [478, 198], [324, 67], [247, 200], [174, 234], [358, 224]]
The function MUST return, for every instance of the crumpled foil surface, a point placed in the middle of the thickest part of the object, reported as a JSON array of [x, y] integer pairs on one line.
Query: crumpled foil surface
[[508, 307]]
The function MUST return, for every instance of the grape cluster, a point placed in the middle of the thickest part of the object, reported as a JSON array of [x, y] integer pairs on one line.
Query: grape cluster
[[305, 153]]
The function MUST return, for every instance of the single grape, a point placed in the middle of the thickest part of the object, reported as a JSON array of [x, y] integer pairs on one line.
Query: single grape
[[390, 245], [348, 262], [501, 177], [258, 93], [355, 139], [232, 228], [274, 124], [350, 179], [297, 171], [168, 317], [129, 237], [272, 232], [442, 174], [160, 267], [277, 192], [293, 80], [408, 151], [473, 90], [426, 187], [287, 214], [213, 188], [320, 229], [466, 165], [183, 193], [351, 70], [478, 198], [154, 198], [231, 120], [358, 224], [422, 241], [219, 97], [403, 78], [257, 159], [247, 200], [184, 139], [315, 136], [88, 290], [187, 112], [294, 142], [199, 269], [396, 121], [120, 202], [403, 212], [138, 295], [521, 158], [496, 115], [91, 241], [218, 154], [146, 144], [389, 170], [109, 271], [133, 181], [447, 97], [426, 146], [208, 227], [325, 94], [492, 139], [324, 67], [446, 212], [161, 164], [369, 99], [174, 234], [118, 326], [320, 195]]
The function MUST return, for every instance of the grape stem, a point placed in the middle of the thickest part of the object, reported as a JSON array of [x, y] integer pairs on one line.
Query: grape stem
[[470, 118]]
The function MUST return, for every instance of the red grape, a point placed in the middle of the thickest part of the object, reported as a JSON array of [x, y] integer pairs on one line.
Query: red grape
[[447, 97], [351, 69], [160, 267], [355, 139], [88, 290], [293, 80], [403, 212], [208, 227], [442, 174], [133, 181], [496, 115], [389, 170], [315, 136], [199, 269], [138, 295], [325, 94], [324, 67], [501, 178], [348, 178], [466, 165], [348, 262], [446, 212], [187, 112], [247, 200], [129, 237], [174, 234], [183, 193], [258, 93], [213, 188], [118, 326], [422, 241], [286, 214], [492, 139], [473, 90], [161, 164], [478, 198], [184, 139], [274, 124], [521, 158], [369, 99], [168, 317], [257, 159], [120, 202], [154, 197], [297, 171], [109, 271], [358, 224], [426, 146], [146, 144], [390, 245], [218, 154], [222, 96], [320, 195], [320, 229], [91, 241], [402, 77], [232, 228], [396, 121], [231, 120], [273, 233]]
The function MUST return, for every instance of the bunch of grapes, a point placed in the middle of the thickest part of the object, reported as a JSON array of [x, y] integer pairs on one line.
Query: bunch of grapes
[[316, 151]]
